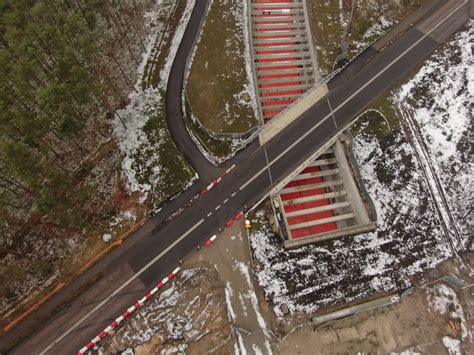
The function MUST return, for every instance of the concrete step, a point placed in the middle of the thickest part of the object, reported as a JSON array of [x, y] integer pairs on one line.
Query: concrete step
[[301, 78], [289, 47], [318, 185], [306, 62], [280, 97], [321, 162], [280, 42], [321, 173], [257, 28], [304, 87], [335, 194], [330, 207], [297, 33], [274, 107], [277, 20], [300, 53], [269, 5], [321, 221]]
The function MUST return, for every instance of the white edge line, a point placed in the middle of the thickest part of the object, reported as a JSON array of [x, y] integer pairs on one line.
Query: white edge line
[[121, 287]]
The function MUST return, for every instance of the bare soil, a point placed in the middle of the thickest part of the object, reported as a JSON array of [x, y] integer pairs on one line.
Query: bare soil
[[413, 324], [190, 314], [409, 325]]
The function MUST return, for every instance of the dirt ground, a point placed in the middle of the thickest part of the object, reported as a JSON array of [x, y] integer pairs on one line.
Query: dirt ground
[[409, 325], [198, 315], [188, 315]]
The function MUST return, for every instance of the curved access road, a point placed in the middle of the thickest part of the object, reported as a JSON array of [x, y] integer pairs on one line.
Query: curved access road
[[173, 103]]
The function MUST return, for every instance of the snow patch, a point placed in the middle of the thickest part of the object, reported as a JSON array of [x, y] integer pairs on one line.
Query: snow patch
[[453, 345]]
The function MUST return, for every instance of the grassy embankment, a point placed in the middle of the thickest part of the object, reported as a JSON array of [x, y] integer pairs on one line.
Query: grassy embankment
[[218, 86], [328, 23]]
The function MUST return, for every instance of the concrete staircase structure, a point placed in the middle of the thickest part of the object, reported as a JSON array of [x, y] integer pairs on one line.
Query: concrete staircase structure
[[282, 53], [322, 201]]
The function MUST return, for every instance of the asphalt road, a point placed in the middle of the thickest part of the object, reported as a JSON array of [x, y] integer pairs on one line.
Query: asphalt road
[[73, 326], [174, 115]]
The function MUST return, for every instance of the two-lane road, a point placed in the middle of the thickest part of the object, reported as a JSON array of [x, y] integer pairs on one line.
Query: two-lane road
[[128, 277]]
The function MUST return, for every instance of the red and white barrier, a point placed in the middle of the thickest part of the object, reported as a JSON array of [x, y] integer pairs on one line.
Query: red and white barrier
[[109, 329], [210, 240], [217, 181]]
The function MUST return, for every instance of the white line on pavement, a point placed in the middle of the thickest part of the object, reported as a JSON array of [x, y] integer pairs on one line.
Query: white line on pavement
[[171, 246], [425, 35], [233, 194], [330, 108]]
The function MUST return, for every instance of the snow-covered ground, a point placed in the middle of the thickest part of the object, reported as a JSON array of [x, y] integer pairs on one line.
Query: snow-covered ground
[[408, 239], [410, 235], [152, 163], [437, 103]]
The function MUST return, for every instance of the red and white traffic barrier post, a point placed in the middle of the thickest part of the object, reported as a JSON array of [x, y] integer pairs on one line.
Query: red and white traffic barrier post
[[217, 181], [109, 329]]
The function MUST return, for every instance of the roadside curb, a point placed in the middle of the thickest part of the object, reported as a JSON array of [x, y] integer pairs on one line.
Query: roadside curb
[[33, 308], [119, 241], [8, 327]]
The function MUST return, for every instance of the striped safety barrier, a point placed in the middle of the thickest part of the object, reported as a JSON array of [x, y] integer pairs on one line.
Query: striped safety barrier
[[109, 329], [217, 181]]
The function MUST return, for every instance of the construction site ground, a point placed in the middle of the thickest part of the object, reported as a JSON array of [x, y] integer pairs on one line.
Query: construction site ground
[[216, 306]]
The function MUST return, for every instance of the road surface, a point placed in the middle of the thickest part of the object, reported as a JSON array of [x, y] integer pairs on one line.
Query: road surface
[[156, 251]]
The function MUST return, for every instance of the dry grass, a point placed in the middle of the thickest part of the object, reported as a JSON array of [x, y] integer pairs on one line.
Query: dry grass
[[328, 29], [217, 79]]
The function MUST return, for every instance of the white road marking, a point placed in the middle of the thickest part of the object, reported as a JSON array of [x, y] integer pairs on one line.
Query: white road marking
[[233, 194], [269, 171], [209, 214], [171, 246], [252, 178], [330, 108], [225, 201], [218, 207], [353, 95]]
